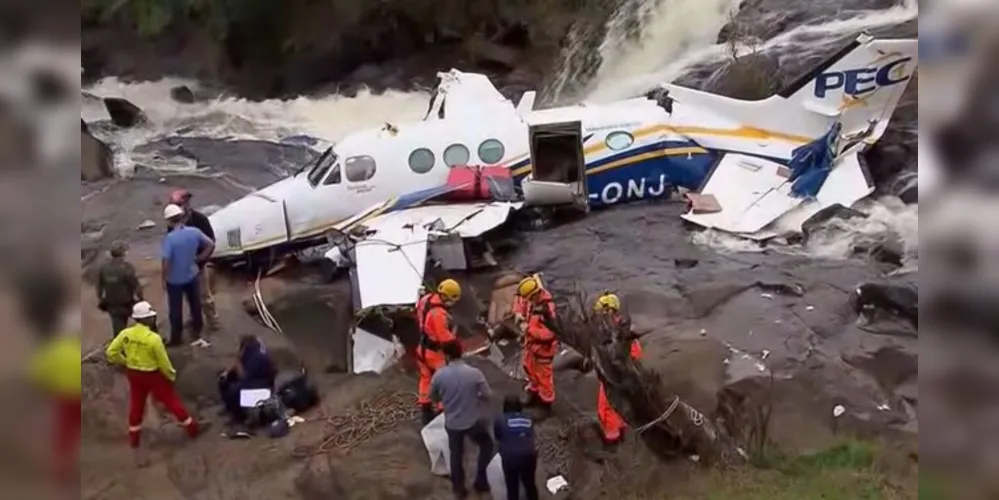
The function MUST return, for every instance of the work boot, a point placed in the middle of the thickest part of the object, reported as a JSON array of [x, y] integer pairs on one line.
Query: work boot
[[427, 413]]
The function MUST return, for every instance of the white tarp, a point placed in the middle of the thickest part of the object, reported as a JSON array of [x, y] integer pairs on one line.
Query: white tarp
[[372, 353], [435, 441], [497, 480]]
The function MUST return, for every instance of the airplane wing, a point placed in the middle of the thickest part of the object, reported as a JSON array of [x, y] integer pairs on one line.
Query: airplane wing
[[393, 242], [759, 198]]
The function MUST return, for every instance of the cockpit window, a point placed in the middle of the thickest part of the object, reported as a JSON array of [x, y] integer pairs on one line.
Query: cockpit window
[[335, 177], [359, 168], [322, 165]]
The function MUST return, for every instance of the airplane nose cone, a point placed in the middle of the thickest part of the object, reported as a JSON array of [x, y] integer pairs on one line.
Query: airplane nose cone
[[249, 223]]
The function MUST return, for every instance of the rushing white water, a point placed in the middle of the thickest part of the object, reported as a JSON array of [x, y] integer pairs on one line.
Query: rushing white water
[[652, 42], [633, 80]]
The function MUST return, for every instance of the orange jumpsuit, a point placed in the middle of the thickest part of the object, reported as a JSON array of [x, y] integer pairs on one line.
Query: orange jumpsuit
[[435, 330], [540, 347], [611, 422]]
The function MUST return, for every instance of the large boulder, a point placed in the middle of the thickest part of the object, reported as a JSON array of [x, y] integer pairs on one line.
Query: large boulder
[[123, 113], [96, 160]]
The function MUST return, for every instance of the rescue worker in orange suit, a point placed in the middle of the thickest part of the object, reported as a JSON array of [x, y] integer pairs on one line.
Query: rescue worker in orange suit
[[611, 423], [536, 310], [436, 329]]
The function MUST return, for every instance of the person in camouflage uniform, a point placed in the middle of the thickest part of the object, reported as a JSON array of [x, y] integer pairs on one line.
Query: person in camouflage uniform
[[118, 287]]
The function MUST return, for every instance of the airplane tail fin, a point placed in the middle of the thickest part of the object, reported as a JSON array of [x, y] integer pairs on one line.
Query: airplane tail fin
[[860, 84]]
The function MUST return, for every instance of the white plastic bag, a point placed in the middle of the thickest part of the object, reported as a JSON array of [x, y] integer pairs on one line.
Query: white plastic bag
[[497, 480], [435, 441]]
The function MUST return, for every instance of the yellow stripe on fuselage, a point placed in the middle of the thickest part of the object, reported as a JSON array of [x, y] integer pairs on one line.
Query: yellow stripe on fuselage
[[741, 132]]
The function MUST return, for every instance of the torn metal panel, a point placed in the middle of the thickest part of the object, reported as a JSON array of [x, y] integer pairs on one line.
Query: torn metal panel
[[749, 193], [371, 353], [390, 259], [390, 266], [449, 252]]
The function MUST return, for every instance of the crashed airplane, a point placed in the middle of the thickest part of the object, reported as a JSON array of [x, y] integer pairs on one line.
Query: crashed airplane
[[752, 168]]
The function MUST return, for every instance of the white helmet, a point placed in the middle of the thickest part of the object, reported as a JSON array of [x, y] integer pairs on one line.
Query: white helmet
[[143, 310], [172, 211]]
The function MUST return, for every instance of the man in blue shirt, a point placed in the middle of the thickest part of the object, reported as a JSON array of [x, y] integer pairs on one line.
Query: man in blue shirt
[[463, 390], [184, 247], [515, 434]]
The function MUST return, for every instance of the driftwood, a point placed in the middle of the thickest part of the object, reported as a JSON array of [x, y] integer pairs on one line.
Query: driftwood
[[670, 427]]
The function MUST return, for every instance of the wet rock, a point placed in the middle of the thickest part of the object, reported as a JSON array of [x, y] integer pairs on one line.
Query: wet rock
[[764, 19], [182, 94], [888, 251], [891, 367], [828, 213], [894, 297], [685, 263], [485, 51], [906, 187], [96, 161], [750, 77], [123, 113]]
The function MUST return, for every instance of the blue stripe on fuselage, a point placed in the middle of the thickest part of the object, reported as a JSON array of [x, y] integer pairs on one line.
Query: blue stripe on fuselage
[[648, 172]]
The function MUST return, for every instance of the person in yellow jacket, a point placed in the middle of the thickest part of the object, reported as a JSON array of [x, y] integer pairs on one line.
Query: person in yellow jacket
[[149, 372], [55, 368]]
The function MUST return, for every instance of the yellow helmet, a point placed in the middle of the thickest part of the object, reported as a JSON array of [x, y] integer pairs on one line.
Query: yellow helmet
[[528, 287], [607, 302], [449, 290]]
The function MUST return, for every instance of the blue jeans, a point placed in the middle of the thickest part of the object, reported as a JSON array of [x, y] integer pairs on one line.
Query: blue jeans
[[175, 303], [456, 441]]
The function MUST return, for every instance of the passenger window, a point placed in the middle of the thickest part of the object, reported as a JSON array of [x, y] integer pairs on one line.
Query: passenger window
[[359, 168], [335, 177], [491, 151], [619, 140], [456, 154], [421, 160]]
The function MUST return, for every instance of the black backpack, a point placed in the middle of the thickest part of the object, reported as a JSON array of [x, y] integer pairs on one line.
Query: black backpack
[[297, 393]]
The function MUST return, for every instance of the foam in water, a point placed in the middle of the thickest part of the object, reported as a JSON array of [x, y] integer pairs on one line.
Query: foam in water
[[328, 118], [670, 29]]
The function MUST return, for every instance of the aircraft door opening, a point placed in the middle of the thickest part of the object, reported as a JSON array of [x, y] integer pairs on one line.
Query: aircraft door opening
[[559, 166]]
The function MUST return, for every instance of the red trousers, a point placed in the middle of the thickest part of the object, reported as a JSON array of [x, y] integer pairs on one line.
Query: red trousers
[[141, 385], [540, 377], [429, 362], [67, 437], [611, 422]]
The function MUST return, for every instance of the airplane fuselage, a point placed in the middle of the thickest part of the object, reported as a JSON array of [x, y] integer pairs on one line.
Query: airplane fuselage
[[633, 150]]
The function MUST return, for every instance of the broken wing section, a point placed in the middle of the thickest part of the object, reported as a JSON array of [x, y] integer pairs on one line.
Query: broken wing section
[[743, 195], [758, 198], [390, 256], [389, 266]]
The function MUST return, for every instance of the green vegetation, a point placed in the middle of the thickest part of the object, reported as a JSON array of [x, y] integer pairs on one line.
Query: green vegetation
[[849, 471]]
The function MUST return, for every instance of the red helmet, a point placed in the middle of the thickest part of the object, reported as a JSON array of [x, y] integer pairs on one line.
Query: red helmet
[[180, 197]]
